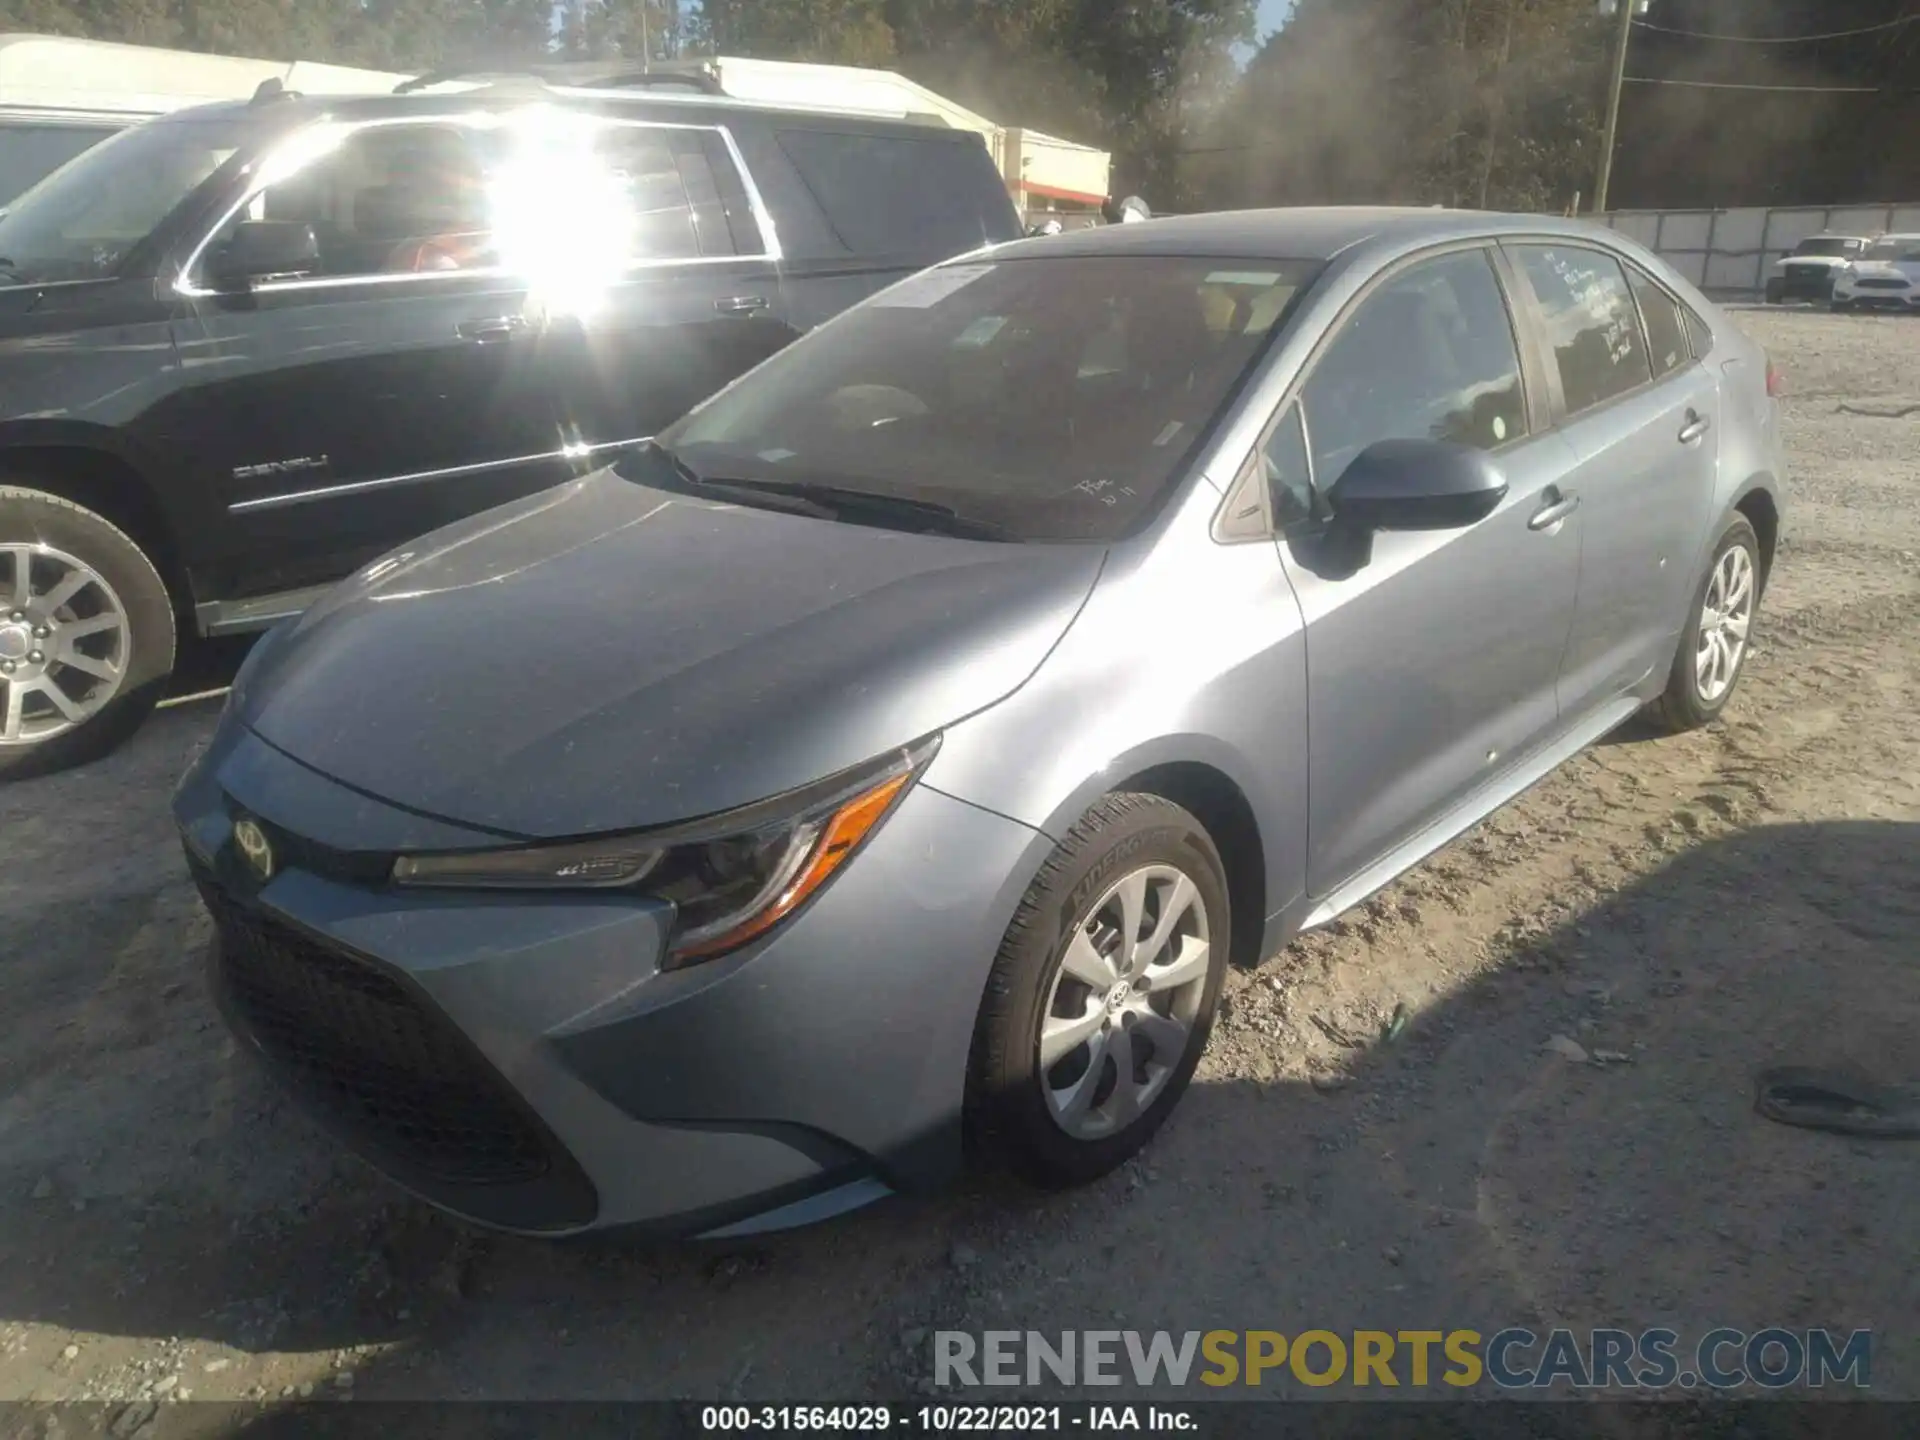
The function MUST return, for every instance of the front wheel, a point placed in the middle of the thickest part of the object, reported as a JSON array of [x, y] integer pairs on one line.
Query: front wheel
[[1103, 994], [1839, 306], [86, 634], [1719, 634], [1776, 292]]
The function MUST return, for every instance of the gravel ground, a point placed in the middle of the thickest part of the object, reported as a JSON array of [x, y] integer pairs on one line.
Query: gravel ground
[[1693, 908]]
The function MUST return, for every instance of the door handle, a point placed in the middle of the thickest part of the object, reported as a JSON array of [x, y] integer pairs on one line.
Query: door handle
[[741, 305], [499, 327], [1556, 507], [1696, 426]]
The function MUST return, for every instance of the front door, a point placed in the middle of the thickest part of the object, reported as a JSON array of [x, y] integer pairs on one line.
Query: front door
[[1430, 667], [398, 386], [692, 302], [1641, 416]]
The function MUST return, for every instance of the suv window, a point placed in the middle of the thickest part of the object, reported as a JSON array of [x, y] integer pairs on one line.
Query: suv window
[[1583, 304], [389, 199], [891, 195], [668, 186], [1430, 355], [82, 221], [1666, 329]]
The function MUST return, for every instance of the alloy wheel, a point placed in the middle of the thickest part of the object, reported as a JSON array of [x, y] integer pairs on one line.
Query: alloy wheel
[[64, 643], [1726, 621], [1124, 1002]]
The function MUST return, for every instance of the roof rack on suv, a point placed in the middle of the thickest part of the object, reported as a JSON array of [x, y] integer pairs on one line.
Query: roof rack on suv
[[615, 76]]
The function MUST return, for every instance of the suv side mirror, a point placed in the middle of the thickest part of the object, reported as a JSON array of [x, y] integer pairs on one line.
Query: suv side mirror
[[262, 248], [1417, 485]]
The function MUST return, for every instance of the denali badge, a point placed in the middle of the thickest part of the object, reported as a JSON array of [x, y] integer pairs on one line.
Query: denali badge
[[255, 849]]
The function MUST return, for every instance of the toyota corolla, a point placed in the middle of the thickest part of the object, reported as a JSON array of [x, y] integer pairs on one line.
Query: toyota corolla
[[885, 764]]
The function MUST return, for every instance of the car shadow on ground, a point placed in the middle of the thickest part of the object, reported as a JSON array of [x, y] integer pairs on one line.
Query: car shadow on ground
[[1458, 1175]]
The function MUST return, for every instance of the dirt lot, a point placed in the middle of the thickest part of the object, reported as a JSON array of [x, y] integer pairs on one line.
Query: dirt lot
[[1700, 907]]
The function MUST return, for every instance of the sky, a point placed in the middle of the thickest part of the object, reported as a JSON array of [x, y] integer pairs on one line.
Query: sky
[[1272, 13]]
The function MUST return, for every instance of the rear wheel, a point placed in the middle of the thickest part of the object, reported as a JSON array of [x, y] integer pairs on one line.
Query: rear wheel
[[1103, 994], [1719, 634], [1776, 292], [1839, 306], [86, 634]]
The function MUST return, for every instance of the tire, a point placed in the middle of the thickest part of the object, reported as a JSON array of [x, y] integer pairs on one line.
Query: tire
[[118, 622], [1021, 1114], [1687, 704], [1776, 292], [1840, 307]]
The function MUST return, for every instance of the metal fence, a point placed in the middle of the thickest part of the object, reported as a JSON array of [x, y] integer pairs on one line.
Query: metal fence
[[1727, 252]]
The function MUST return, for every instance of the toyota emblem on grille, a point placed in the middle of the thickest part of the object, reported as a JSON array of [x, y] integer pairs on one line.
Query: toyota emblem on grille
[[255, 848]]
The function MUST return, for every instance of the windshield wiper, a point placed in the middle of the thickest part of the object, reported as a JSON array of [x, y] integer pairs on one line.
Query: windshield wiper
[[847, 502], [841, 502]]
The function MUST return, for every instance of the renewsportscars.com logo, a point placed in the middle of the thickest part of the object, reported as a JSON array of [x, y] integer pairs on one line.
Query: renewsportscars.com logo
[[1511, 1359]]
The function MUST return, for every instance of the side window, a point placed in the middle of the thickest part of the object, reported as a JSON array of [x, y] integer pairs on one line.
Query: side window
[[892, 195], [390, 199], [1283, 459], [1667, 344], [656, 186], [1430, 355], [1700, 333], [1588, 315]]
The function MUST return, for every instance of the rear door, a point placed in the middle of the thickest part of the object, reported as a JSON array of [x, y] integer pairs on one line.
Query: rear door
[[694, 297], [1642, 417], [396, 387]]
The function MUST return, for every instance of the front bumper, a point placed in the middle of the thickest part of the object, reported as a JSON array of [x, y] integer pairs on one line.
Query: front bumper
[[521, 1061], [1802, 282], [1867, 295]]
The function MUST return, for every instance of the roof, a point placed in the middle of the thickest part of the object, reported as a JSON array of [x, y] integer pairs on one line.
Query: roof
[[1302, 234]]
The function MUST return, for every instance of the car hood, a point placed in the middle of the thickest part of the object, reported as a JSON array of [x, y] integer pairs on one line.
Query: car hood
[[605, 656], [1884, 269], [1832, 262]]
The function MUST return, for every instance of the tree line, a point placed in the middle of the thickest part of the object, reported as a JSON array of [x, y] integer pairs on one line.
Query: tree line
[[1472, 102]]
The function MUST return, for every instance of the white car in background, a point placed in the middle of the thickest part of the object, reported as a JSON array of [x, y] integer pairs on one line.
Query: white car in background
[[1886, 276], [1807, 271]]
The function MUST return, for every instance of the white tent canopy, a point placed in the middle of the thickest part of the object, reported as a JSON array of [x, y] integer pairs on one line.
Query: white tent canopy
[[54, 75]]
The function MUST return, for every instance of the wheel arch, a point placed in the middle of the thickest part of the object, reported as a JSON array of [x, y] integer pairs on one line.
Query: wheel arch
[[1203, 777], [1213, 798], [1761, 507], [87, 469]]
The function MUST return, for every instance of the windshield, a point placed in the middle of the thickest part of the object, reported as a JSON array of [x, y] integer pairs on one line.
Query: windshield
[[1827, 247], [1051, 399], [1896, 248], [80, 222]]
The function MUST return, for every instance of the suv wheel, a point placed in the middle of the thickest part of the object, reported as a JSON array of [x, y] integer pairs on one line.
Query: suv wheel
[[86, 634], [1776, 292], [1102, 995], [1719, 634]]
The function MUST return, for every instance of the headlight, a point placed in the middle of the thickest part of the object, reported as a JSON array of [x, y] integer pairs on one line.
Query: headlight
[[730, 878]]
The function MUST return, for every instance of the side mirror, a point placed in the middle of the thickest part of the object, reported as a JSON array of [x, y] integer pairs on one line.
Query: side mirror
[[1417, 485], [262, 248]]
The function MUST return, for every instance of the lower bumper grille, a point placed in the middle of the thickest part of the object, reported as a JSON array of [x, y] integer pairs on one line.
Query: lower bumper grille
[[1881, 285], [383, 1067]]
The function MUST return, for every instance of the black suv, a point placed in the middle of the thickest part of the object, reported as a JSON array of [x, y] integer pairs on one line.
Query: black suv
[[248, 347]]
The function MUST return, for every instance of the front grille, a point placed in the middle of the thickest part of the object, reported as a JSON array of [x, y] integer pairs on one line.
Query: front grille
[[1807, 272], [360, 1047], [1875, 284]]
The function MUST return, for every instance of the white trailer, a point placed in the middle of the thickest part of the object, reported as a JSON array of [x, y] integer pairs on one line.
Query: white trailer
[[59, 97]]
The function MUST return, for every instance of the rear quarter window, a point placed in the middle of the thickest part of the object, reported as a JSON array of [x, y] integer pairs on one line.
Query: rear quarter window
[[896, 195]]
